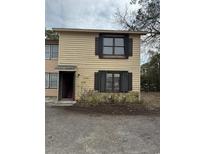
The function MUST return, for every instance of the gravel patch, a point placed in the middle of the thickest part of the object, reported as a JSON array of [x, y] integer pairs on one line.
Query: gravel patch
[[73, 132]]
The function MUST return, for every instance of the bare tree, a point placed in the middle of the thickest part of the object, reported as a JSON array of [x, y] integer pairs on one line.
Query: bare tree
[[146, 17]]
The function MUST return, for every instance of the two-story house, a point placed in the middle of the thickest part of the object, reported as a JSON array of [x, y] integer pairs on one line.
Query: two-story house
[[91, 59]]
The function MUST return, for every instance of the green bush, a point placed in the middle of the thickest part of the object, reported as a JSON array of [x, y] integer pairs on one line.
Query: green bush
[[94, 98]]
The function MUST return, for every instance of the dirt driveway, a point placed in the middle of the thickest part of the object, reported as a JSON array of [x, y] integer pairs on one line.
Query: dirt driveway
[[72, 132]]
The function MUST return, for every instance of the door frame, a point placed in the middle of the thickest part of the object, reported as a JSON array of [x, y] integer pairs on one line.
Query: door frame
[[60, 82]]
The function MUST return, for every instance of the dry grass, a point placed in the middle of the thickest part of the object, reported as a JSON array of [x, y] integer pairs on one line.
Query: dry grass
[[150, 104], [152, 99]]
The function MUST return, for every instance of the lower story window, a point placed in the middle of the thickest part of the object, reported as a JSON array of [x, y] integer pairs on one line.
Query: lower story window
[[51, 80], [112, 82]]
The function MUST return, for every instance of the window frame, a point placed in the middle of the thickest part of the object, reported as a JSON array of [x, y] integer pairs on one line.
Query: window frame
[[51, 51], [113, 55], [49, 80], [52, 47], [113, 81]]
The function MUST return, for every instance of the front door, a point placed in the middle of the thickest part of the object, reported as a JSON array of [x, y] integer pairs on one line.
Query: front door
[[66, 85]]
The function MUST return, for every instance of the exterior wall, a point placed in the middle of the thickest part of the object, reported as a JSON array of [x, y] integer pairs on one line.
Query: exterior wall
[[51, 92], [50, 66], [79, 49]]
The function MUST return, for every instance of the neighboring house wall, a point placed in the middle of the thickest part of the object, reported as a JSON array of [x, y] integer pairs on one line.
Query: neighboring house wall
[[50, 65], [79, 49]]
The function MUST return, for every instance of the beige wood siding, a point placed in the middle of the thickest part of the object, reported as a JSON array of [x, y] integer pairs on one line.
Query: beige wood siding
[[50, 65], [51, 92], [79, 49]]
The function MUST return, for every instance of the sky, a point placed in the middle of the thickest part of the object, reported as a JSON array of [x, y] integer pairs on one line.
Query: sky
[[83, 13]]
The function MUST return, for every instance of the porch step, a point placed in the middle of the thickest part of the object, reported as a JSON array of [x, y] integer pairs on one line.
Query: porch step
[[62, 103]]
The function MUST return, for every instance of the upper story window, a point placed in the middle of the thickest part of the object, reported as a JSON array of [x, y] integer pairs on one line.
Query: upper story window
[[51, 51], [113, 46]]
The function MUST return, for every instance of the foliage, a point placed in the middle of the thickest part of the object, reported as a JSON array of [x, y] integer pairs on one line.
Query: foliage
[[150, 74], [94, 98], [145, 17], [115, 103], [51, 35]]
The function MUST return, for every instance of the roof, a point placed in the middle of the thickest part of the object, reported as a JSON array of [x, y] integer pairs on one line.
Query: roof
[[98, 31], [51, 41]]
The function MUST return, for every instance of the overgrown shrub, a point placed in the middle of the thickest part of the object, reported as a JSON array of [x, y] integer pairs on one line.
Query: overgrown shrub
[[94, 98]]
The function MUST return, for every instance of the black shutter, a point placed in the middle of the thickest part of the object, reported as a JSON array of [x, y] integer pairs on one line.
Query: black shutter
[[130, 46], [96, 46], [102, 78], [129, 81], [124, 82], [100, 46], [96, 79], [126, 42]]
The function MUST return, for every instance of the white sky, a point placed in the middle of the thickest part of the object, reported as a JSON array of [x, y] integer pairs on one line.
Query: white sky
[[83, 13]]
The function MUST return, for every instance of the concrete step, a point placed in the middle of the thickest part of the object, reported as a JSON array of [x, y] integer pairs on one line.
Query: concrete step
[[61, 103]]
